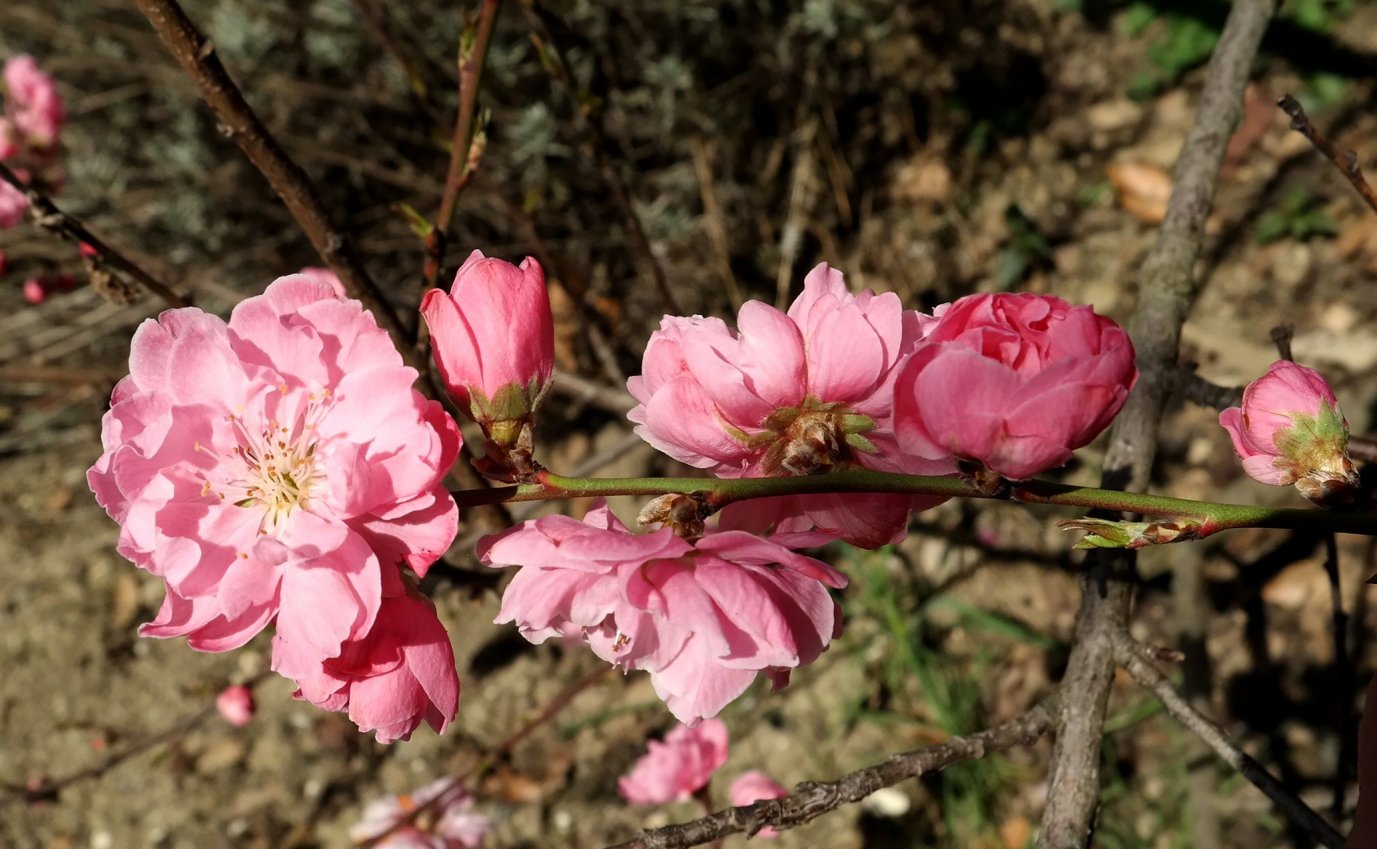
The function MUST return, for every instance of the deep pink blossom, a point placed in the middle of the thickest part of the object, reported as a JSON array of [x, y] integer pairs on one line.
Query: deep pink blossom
[[789, 394], [278, 467], [493, 337], [448, 820], [756, 786], [673, 770], [704, 619], [32, 103], [1290, 430], [235, 705], [13, 205], [1014, 382]]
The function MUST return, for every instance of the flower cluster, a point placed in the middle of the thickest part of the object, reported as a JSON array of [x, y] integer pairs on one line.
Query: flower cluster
[[280, 468], [30, 137], [446, 820]]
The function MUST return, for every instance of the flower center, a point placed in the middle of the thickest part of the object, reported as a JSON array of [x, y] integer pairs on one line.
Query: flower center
[[281, 472]]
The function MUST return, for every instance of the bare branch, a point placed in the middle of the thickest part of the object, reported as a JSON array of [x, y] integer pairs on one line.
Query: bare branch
[[1130, 654], [812, 799], [1167, 289], [47, 216], [1345, 160]]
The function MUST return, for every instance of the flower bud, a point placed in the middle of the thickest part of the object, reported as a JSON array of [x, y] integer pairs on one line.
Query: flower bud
[[235, 705], [1290, 430]]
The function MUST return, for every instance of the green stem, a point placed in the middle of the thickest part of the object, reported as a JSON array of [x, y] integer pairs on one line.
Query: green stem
[[719, 492]]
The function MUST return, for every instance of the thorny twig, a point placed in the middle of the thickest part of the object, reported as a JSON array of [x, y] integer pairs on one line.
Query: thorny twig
[[1345, 160], [1166, 291], [812, 799], [48, 216], [1130, 655]]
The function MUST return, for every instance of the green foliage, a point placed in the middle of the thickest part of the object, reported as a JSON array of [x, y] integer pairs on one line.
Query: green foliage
[[1026, 250], [1318, 15], [1298, 217], [1187, 42]]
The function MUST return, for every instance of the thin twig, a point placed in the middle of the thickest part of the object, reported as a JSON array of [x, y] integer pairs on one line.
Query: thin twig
[[1343, 676], [1167, 289], [1345, 160], [1128, 654], [48, 216], [588, 116], [812, 799]]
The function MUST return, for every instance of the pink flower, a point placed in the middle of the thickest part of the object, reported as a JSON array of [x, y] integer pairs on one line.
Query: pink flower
[[448, 821], [674, 770], [789, 394], [278, 467], [393, 678], [1290, 430], [493, 337], [235, 705], [32, 102], [704, 619], [1014, 382], [38, 289], [34, 291], [756, 786], [326, 276], [13, 205]]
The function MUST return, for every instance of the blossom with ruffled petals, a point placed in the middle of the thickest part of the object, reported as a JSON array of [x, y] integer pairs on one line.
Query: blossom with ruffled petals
[[789, 394], [278, 467], [448, 820], [1015, 382], [673, 770], [703, 618], [1290, 430], [756, 786]]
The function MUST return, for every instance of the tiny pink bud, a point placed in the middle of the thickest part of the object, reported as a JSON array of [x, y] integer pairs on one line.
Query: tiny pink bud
[[235, 705], [1289, 430], [756, 786], [35, 290], [87, 251]]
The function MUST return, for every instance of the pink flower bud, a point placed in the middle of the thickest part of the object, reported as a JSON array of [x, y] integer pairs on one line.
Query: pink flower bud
[[13, 205], [1014, 382], [35, 291], [756, 786], [235, 705], [1290, 431], [494, 340], [677, 768]]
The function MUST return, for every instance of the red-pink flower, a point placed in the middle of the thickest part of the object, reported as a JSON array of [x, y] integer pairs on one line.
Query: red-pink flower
[[1290, 430], [396, 676], [673, 770], [756, 786], [32, 103], [704, 619], [235, 705], [1015, 382], [448, 820], [278, 467], [493, 337], [789, 394]]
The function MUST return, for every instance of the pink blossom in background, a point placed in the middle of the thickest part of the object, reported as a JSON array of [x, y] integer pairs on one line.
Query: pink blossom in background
[[703, 618], [493, 337], [235, 705], [278, 468], [673, 770], [39, 289], [32, 103], [756, 786], [789, 394], [1290, 430], [1015, 382], [448, 821], [34, 291], [13, 205]]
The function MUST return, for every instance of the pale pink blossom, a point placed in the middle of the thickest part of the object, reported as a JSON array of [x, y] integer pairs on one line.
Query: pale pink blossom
[[1013, 382], [794, 393], [235, 705], [13, 205], [703, 618], [756, 786], [448, 820], [396, 676], [493, 337], [276, 468], [32, 103], [678, 767], [1290, 430]]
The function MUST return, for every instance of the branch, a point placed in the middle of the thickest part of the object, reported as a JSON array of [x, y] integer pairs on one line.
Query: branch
[[47, 216], [1130, 654], [812, 799], [195, 53], [1345, 160], [1167, 289]]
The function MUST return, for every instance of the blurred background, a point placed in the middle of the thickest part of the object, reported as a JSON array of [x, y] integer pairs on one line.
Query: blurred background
[[930, 149]]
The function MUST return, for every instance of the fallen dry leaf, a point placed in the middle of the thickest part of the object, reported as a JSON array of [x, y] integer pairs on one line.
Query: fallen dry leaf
[[1141, 190]]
